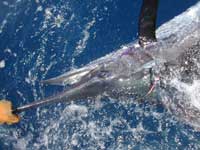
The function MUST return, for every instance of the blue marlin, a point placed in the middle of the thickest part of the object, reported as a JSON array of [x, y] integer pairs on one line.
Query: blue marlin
[[136, 65]]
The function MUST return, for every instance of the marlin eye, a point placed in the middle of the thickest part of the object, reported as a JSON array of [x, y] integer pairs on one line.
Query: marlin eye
[[103, 74]]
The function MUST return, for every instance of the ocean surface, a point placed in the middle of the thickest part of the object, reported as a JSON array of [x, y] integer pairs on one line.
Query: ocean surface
[[40, 39]]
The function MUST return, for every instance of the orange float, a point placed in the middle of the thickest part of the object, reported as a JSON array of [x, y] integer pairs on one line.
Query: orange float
[[6, 114]]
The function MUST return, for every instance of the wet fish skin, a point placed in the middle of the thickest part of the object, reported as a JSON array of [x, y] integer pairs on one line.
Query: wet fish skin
[[122, 69]]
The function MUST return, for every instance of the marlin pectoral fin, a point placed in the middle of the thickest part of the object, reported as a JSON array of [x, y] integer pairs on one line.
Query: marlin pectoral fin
[[147, 22]]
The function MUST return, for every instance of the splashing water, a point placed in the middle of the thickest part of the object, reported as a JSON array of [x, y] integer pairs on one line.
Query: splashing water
[[41, 39], [191, 91]]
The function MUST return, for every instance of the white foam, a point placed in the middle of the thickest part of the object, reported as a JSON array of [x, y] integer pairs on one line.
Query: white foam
[[59, 19], [39, 9], [81, 45], [5, 3], [192, 91], [82, 110], [3, 25], [48, 13], [2, 64], [193, 12]]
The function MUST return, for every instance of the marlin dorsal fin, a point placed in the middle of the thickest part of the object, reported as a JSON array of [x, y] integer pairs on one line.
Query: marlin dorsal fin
[[147, 22]]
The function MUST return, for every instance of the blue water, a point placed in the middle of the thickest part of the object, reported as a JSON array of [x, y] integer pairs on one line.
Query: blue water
[[40, 39]]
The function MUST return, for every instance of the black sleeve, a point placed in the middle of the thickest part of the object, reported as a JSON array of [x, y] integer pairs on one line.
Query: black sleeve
[[147, 21]]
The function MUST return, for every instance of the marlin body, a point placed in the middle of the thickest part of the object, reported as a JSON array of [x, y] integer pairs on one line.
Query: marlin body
[[125, 70], [121, 71]]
